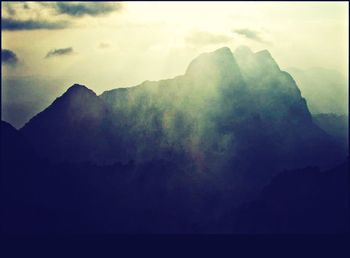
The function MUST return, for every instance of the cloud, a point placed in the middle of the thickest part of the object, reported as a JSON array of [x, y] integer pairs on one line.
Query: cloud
[[250, 34], [9, 8], [8, 57], [79, 9], [14, 24], [206, 38], [25, 6], [50, 15], [59, 52], [103, 45]]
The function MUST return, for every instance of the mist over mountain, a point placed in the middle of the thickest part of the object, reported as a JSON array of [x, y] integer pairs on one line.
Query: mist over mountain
[[326, 90], [336, 126], [238, 114], [189, 154]]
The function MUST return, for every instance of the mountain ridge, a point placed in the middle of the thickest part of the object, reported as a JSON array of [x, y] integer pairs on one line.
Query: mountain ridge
[[215, 117]]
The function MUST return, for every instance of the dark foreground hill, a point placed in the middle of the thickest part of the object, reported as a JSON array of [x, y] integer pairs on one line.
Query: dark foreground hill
[[39, 197], [300, 201], [336, 126]]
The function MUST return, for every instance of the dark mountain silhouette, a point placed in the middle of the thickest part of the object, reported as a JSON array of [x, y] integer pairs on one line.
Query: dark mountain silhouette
[[301, 201], [335, 125], [152, 197], [286, 130], [14, 146], [159, 197], [72, 128], [184, 155], [233, 116]]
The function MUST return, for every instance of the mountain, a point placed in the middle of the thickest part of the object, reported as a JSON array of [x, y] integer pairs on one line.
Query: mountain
[[14, 146], [335, 125], [325, 90], [181, 115], [286, 121], [71, 127], [158, 196], [275, 91], [25, 96], [299, 201], [234, 118], [203, 152]]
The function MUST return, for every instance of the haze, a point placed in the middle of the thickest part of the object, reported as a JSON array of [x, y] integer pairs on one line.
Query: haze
[[150, 41], [105, 45]]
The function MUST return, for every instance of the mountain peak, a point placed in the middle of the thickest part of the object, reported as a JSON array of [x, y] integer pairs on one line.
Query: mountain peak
[[78, 100], [265, 58], [264, 53], [223, 51], [217, 60], [79, 88], [220, 53]]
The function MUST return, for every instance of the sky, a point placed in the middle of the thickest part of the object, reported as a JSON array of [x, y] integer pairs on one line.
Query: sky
[[105, 45]]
